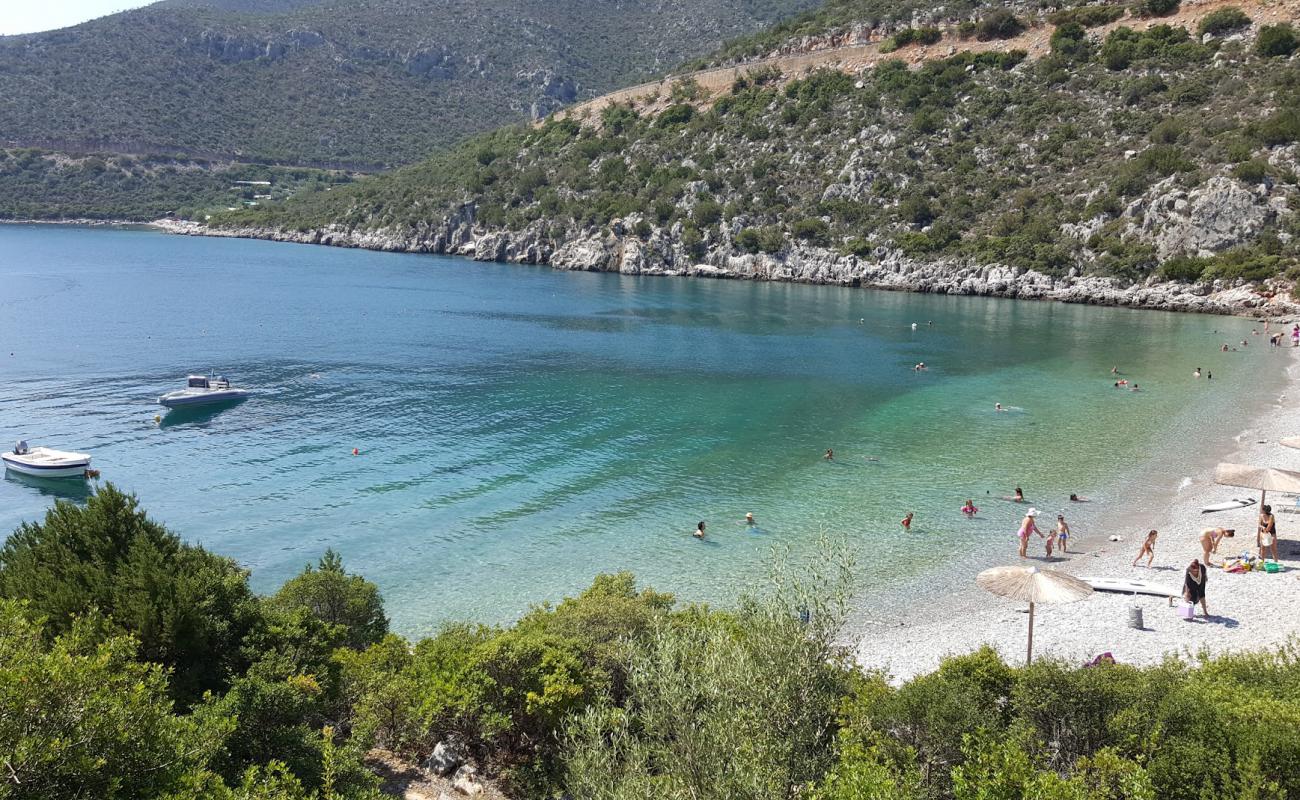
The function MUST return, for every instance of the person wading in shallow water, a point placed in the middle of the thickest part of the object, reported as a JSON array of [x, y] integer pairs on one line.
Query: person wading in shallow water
[[1027, 526], [699, 531]]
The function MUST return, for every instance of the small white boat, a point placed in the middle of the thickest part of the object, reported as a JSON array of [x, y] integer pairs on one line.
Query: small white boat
[[201, 390], [45, 462], [1229, 505]]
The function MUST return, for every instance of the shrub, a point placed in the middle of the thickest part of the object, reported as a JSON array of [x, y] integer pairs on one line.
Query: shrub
[[916, 209], [1279, 128], [998, 24], [768, 239], [1070, 41], [707, 212], [189, 609], [1277, 40], [1187, 269], [1155, 8], [83, 718], [1222, 20], [1253, 171], [678, 114], [811, 229], [349, 604]]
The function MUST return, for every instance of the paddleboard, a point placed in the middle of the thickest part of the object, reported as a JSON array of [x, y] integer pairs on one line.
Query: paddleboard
[[1128, 587], [1229, 505]]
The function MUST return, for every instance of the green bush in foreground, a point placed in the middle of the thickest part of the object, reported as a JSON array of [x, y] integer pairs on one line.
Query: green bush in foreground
[[618, 694]]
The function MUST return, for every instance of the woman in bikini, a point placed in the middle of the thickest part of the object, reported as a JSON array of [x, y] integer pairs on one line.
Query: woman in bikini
[[1210, 539]]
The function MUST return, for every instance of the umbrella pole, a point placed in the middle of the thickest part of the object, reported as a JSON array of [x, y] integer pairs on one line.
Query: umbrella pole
[[1029, 653]]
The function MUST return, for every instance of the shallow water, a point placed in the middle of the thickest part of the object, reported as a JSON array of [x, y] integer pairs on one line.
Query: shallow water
[[522, 429]]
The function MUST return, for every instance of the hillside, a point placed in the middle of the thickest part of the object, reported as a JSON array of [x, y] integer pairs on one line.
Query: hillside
[[338, 83], [1137, 150]]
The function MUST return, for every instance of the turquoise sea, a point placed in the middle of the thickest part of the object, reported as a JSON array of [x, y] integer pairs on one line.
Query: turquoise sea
[[521, 430]]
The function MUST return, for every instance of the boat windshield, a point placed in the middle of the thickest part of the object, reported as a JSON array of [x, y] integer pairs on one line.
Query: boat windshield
[[198, 382]]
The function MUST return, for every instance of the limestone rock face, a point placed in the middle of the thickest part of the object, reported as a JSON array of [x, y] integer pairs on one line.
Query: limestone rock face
[[1219, 214]]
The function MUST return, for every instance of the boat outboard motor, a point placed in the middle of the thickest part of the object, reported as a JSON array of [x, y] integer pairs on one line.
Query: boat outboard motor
[[20, 449]]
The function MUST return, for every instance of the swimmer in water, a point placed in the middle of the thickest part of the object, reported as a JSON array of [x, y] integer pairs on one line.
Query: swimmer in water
[[907, 521], [1020, 496], [1114, 370], [969, 509], [749, 518], [998, 407], [830, 454], [698, 533], [913, 326]]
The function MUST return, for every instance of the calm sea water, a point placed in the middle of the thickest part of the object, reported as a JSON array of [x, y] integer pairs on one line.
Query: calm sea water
[[521, 430]]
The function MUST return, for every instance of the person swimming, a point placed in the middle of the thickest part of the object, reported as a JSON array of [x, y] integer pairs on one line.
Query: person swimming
[[698, 533], [969, 509], [907, 521], [749, 518], [1020, 496], [830, 454], [1197, 373], [998, 407]]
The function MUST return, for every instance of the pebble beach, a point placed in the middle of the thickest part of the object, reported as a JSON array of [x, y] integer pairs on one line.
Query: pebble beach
[[1249, 611]]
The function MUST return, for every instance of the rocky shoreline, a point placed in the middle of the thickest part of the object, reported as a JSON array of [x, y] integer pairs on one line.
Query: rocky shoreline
[[620, 249]]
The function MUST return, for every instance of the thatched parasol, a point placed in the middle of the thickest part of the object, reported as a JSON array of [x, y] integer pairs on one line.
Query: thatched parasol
[[1033, 585], [1292, 441], [1266, 479]]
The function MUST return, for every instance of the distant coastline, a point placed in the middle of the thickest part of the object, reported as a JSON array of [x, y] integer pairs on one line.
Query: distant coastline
[[891, 271]]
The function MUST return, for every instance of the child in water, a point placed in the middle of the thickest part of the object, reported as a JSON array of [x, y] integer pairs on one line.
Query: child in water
[[1148, 550], [907, 521], [969, 509]]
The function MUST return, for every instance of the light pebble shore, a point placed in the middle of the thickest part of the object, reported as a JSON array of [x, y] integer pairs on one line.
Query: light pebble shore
[[1249, 611]]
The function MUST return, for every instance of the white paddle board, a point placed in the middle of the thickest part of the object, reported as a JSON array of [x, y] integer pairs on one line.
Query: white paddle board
[[1228, 505], [1125, 586]]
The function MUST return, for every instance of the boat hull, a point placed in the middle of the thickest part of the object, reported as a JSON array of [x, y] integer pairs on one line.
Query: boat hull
[[180, 400], [71, 470]]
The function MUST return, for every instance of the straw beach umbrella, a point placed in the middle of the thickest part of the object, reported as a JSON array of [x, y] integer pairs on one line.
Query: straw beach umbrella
[[1033, 585], [1266, 479], [1292, 441]]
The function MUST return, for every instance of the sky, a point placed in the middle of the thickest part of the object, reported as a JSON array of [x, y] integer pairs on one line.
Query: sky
[[27, 16]]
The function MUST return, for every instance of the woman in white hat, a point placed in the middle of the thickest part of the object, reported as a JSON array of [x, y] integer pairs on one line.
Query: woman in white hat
[[1027, 526]]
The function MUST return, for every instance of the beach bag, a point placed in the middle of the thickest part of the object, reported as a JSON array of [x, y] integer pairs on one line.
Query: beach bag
[[1186, 610]]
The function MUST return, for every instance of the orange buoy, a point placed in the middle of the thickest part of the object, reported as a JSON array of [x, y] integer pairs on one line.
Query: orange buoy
[[356, 452]]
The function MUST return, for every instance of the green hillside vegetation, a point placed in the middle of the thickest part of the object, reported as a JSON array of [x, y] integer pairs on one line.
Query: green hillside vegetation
[[38, 184], [136, 667], [337, 83], [979, 157]]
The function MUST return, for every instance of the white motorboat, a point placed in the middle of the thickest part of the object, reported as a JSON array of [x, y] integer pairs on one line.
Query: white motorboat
[[45, 462], [202, 390]]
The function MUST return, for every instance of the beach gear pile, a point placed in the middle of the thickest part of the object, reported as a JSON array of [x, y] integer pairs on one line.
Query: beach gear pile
[[1247, 562]]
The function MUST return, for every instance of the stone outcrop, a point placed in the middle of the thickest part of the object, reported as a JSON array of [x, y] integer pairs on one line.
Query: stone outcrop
[[618, 248], [1214, 216]]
